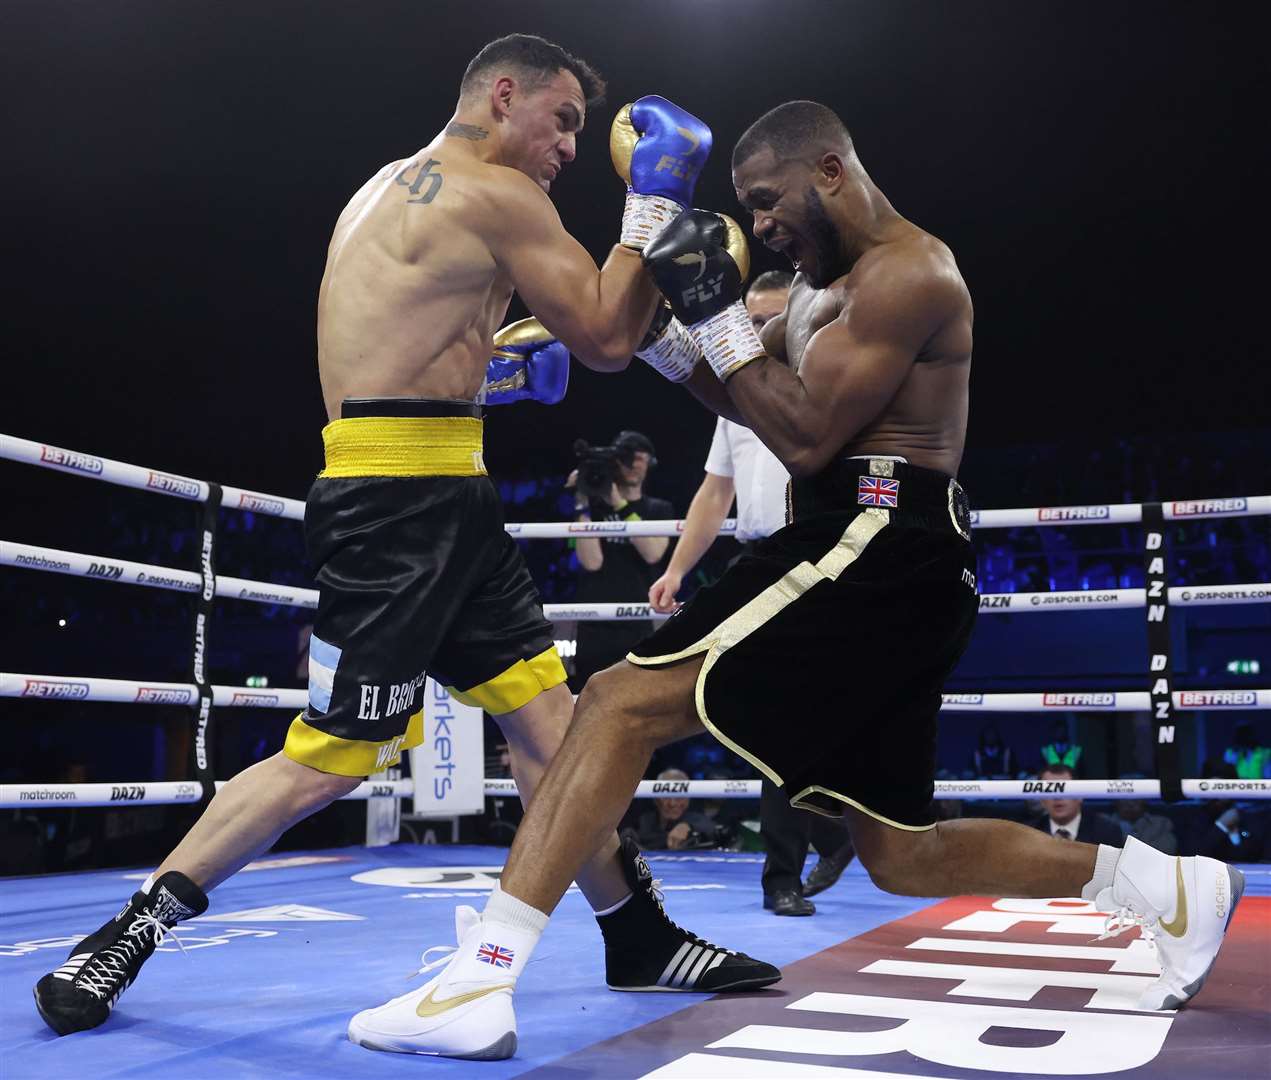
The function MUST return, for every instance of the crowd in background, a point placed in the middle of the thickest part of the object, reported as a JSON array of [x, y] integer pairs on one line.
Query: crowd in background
[[73, 626]]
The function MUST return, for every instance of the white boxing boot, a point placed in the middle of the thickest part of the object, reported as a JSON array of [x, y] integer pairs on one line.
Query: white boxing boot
[[1182, 905], [463, 1012]]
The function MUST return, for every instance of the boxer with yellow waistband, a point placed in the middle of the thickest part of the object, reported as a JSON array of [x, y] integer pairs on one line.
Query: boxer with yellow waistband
[[405, 531]]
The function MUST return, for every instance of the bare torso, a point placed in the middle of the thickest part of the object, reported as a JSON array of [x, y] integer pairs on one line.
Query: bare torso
[[412, 295], [925, 421]]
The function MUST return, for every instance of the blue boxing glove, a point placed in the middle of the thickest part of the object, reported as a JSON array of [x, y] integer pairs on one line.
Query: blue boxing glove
[[659, 150], [528, 365]]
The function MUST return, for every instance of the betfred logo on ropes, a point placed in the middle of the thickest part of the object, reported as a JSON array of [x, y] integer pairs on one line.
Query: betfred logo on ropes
[[165, 695], [963, 699], [1079, 701], [55, 689], [1208, 507], [68, 459], [263, 701], [258, 504], [174, 485], [1217, 699], [1073, 513]]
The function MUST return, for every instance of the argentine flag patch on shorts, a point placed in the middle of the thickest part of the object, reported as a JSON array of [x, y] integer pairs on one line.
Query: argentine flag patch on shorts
[[324, 658]]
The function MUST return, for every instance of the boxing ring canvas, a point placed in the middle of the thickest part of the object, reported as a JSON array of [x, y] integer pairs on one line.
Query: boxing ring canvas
[[874, 985]]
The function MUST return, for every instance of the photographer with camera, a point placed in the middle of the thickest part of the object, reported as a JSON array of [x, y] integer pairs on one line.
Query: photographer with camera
[[609, 486]]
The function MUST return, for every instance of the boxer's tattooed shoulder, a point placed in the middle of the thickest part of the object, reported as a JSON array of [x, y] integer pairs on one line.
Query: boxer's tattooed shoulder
[[466, 131], [424, 174]]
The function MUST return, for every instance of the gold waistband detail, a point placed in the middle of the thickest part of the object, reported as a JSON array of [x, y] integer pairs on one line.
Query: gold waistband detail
[[403, 446]]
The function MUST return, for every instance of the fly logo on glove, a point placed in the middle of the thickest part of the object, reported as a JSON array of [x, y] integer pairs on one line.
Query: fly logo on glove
[[659, 150], [680, 166], [705, 291], [699, 262]]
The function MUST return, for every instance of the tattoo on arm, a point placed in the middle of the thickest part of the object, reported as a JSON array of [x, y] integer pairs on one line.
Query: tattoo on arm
[[425, 173], [466, 131]]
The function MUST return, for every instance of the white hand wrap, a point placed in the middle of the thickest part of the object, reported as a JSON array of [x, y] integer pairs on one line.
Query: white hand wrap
[[644, 217], [728, 340], [674, 354]]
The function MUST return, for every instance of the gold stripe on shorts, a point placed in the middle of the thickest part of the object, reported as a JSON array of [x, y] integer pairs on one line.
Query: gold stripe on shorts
[[518, 685], [765, 606], [403, 446], [349, 757]]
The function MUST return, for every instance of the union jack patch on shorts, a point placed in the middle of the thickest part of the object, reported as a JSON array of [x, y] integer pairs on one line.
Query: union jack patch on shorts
[[496, 955], [877, 491]]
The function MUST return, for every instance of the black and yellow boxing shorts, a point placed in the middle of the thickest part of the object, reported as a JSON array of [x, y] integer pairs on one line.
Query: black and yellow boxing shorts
[[826, 646], [416, 577]]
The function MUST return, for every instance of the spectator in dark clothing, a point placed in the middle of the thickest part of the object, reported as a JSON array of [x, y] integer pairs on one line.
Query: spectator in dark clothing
[[671, 823], [993, 759], [1236, 835], [1155, 830], [1063, 817]]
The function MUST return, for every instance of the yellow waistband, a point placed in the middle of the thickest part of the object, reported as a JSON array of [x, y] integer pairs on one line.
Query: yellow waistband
[[403, 446]]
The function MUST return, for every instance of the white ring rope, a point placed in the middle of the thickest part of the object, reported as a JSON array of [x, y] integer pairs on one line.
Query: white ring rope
[[157, 793], [152, 793], [88, 688], [124, 572], [46, 456], [82, 688], [135, 476]]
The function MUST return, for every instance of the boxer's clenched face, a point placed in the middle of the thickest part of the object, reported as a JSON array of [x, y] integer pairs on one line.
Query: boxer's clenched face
[[542, 127], [789, 216]]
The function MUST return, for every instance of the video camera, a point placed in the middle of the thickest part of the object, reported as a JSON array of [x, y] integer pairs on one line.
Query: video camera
[[598, 466]]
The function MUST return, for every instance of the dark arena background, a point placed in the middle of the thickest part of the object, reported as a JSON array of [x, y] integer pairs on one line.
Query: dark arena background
[[172, 176]]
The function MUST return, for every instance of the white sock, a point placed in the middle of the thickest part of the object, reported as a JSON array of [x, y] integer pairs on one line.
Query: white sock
[[509, 911], [1105, 866], [495, 947], [616, 907], [148, 884]]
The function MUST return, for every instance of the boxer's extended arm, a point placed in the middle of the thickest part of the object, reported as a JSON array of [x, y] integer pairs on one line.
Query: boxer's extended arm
[[850, 368], [600, 315]]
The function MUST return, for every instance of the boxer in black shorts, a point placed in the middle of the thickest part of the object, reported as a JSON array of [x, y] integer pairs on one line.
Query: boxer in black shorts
[[826, 646], [821, 656], [416, 577]]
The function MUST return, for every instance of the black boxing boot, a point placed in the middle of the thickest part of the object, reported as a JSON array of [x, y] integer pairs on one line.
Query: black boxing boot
[[645, 950], [80, 994]]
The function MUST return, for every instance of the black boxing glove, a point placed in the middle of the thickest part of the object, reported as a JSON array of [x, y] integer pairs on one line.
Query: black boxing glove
[[699, 262]]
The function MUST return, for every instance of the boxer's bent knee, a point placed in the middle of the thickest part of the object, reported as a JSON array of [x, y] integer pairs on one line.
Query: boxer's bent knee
[[649, 706], [897, 860]]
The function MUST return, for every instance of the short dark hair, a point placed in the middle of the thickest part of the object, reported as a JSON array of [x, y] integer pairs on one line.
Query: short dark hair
[[797, 129], [770, 281], [537, 56], [1066, 770]]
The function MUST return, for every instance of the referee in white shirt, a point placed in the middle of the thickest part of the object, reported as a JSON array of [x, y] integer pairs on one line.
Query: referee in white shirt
[[740, 465]]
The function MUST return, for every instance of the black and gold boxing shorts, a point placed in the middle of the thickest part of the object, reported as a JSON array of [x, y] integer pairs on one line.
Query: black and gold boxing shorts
[[827, 644], [416, 577]]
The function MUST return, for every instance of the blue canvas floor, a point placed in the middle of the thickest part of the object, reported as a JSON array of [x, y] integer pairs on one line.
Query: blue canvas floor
[[288, 952]]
